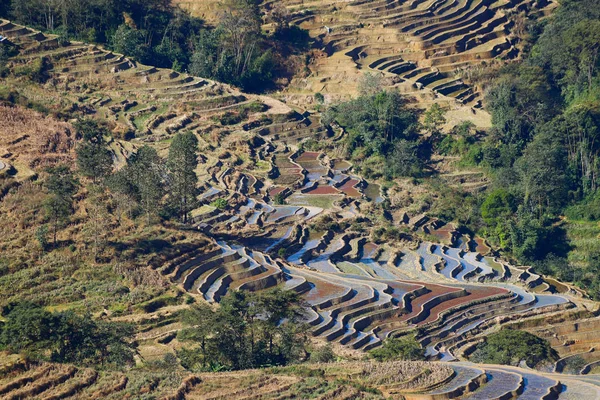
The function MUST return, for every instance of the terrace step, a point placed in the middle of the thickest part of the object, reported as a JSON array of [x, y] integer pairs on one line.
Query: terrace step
[[500, 385], [465, 381], [536, 386]]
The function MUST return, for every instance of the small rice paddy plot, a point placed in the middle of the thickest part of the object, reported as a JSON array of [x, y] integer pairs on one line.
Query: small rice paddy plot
[[541, 288], [468, 327], [321, 290], [275, 190], [480, 246], [253, 219], [322, 189], [205, 209], [352, 269], [287, 179], [322, 262], [408, 263], [418, 303], [451, 263], [544, 300], [308, 246], [369, 249], [495, 265], [341, 166], [524, 296], [349, 188], [283, 162], [482, 264], [279, 237], [282, 212], [435, 311], [309, 161], [428, 259], [312, 212], [400, 289], [337, 178], [577, 390], [307, 156], [250, 204], [373, 193], [559, 287], [467, 267], [324, 201], [462, 243], [379, 270], [209, 193], [444, 234], [384, 255]]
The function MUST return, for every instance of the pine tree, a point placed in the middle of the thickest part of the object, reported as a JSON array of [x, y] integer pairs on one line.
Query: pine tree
[[182, 163], [93, 157], [61, 186], [148, 175]]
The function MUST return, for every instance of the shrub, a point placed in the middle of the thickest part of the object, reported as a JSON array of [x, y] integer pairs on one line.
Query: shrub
[[323, 354], [35, 70], [511, 347], [405, 348], [230, 118], [220, 204], [279, 198]]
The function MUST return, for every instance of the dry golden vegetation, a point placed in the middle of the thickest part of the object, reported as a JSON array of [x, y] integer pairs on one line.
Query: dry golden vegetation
[[34, 140]]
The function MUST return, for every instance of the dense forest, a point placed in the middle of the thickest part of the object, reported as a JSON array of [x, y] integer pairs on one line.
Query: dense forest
[[542, 152]]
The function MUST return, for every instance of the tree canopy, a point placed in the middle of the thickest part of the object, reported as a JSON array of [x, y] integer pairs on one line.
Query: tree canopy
[[511, 347], [65, 336]]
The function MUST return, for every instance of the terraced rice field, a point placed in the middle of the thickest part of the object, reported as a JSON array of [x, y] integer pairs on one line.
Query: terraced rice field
[[424, 48], [359, 289]]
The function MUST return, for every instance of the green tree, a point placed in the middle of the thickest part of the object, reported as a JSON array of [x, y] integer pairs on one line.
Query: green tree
[[519, 100], [277, 305], [148, 174], [61, 185], [404, 160], [323, 354], [182, 163], [41, 236], [97, 226], [124, 192], [131, 42], [511, 347], [28, 328], [199, 322], [434, 119], [94, 159], [220, 204], [375, 123], [247, 330], [497, 207], [404, 348], [543, 172], [66, 336]]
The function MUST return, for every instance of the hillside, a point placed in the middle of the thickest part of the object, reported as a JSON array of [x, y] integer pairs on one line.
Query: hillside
[[433, 51], [280, 204]]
